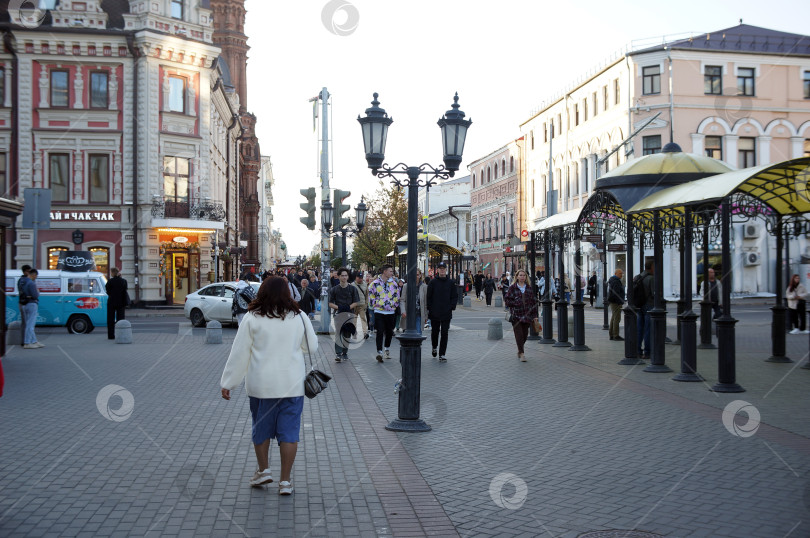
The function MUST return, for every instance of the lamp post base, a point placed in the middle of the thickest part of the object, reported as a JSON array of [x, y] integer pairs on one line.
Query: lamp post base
[[630, 361], [402, 425], [687, 377], [727, 387], [783, 360]]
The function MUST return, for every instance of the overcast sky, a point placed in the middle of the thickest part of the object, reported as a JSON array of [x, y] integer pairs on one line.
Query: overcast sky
[[502, 58]]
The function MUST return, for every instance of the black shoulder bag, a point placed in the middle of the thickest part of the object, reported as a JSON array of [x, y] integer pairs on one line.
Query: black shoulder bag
[[316, 381]]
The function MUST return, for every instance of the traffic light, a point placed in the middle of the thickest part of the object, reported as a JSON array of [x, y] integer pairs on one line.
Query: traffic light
[[341, 221], [308, 207]]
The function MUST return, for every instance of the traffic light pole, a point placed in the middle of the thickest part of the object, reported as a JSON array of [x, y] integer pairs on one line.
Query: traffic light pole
[[325, 261]]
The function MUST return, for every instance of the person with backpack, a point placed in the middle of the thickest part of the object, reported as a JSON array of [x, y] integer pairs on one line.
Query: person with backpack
[[643, 286], [615, 300], [242, 297]]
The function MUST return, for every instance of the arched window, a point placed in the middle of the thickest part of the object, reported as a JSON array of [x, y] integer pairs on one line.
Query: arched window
[[473, 181], [511, 164], [503, 167], [489, 230], [489, 174], [496, 226], [503, 226]]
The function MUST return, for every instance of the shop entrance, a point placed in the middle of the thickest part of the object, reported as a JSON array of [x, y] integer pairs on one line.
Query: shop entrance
[[180, 268]]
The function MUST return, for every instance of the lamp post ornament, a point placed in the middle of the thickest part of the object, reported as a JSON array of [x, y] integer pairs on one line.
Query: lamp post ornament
[[375, 131]]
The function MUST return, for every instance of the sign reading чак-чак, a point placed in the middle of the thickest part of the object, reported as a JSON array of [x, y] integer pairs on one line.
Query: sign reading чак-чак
[[85, 216]]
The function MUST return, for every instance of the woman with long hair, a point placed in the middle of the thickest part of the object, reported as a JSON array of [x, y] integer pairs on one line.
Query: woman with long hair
[[796, 296], [268, 353], [522, 306]]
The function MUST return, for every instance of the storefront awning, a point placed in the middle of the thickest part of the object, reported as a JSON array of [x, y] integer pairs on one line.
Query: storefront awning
[[566, 218], [782, 186], [189, 225]]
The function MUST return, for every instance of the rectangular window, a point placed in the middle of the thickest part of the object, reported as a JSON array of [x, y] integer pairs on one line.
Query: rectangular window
[[745, 81], [3, 176], [714, 147], [595, 104], [713, 80], [59, 175], [652, 144], [177, 9], [545, 133], [604, 98], [616, 92], [585, 164], [585, 110], [175, 187], [59, 88], [746, 153], [512, 224], [651, 76], [101, 255], [98, 90], [503, 226], [177, 94], [576, 115], [807, 148], [806, 84], [99, 178]]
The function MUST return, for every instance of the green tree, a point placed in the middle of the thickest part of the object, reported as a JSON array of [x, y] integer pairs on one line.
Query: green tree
[[314, 261], [387, 220]]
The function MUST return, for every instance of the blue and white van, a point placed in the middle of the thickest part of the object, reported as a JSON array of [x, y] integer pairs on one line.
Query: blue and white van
[[77, 301]]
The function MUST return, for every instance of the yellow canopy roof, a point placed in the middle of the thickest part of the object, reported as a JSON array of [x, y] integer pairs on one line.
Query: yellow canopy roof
[[782, 186], [432, 238], [669, 163], [566, 218]]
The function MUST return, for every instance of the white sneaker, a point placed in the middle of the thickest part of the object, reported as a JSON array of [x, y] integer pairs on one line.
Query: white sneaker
[[261, 478], [37, 344], [285, 488], [795, 331], [387, 354], [806, 332]]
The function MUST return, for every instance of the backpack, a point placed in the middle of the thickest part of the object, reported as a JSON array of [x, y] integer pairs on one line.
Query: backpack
[[639, 295], [245, 296]]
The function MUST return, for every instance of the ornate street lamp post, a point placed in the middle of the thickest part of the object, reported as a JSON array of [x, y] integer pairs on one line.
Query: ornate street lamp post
[[375, 131]]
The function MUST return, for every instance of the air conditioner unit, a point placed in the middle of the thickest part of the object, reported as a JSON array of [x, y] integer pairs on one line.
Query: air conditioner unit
[[751, 259], [750, 231]]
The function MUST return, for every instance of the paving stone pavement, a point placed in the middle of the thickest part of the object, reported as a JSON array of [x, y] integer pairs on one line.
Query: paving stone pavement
[[566, 443]]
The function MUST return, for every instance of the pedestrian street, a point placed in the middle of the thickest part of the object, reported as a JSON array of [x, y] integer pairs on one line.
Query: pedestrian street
[[105, 439]]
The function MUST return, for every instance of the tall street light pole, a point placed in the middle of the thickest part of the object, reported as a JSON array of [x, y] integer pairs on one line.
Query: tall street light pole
[[375, 131]]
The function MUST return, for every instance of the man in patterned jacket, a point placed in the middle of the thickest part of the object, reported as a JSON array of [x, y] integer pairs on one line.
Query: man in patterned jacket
[[383, 299]]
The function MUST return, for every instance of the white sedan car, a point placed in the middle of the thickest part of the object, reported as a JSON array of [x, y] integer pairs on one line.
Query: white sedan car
[[213, 302]]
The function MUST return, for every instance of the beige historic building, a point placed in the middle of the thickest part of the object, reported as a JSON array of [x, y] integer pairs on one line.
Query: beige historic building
[[741, 95], [127, 112]]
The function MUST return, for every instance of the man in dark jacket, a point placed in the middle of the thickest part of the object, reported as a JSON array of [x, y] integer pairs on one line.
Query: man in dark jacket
[[117, 301], [442, 296], [643, 314], [616, 299], [20, 283], [307, 302]]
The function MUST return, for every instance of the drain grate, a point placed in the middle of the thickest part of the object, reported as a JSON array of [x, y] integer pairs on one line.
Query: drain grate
[[617, 533]]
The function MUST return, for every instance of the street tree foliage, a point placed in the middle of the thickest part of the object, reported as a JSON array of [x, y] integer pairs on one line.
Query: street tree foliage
[[387, 220], [314, 261]]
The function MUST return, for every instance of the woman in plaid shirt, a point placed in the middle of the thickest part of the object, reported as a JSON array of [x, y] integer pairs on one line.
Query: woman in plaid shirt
[[523, 309]]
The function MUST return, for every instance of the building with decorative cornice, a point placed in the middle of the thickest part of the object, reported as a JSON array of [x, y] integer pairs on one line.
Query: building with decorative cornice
[[127, 113]]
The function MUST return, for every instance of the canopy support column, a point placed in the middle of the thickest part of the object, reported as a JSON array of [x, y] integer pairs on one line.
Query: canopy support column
[[726, 352], [630, 327], [605, 305], [658, 314], [579, 305], [778, 328], [548, 328], [681, 302], [706, 303], [532, 279], [688, 319], [562, 304]]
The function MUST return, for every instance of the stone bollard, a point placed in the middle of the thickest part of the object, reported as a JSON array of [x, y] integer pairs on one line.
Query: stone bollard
[[467, 301], [213, 332], [123, 332], [499, 301], [495, 331], [14, 334]]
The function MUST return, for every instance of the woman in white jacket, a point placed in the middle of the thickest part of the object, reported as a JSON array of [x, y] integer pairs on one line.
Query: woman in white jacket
[[268, 353]]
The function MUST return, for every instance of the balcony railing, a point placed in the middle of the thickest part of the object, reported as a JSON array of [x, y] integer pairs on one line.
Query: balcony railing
[[200, 210]]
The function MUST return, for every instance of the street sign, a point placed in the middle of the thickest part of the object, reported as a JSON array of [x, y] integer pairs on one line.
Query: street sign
[[617, 247], [592, 238], [37, 209]]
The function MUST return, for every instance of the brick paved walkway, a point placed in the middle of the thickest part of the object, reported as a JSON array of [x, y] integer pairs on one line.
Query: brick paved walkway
[[567, 443]]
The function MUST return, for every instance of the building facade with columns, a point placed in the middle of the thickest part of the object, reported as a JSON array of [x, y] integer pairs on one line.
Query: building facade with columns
[[127, 113], [740, 95]]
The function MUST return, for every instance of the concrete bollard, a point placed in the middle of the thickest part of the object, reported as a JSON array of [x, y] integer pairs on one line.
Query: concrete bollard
[[467, 301], [14, 334], [499, 301], [495, 331], [123, 332], [213, 332]]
